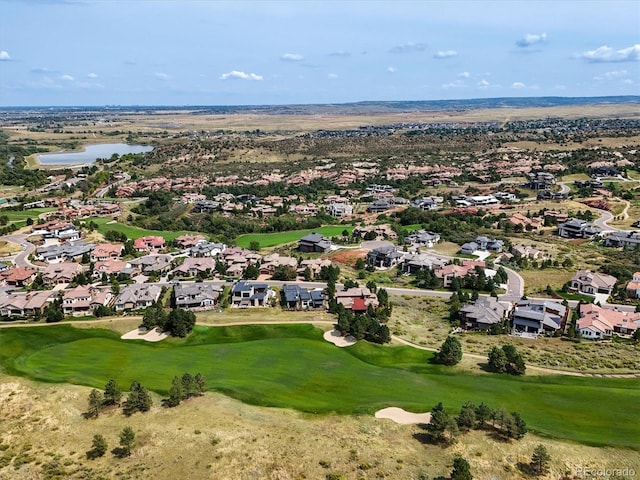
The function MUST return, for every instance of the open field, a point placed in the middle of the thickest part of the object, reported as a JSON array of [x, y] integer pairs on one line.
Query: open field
[[291, 366], [267, 240], [218, 438], [9, 248], [106, 224], [20, 217]]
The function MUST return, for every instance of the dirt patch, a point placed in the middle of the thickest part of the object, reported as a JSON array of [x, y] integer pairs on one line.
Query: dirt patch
[[403, 417], [348, 256]]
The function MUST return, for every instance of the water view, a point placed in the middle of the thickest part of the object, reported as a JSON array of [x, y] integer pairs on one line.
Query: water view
[[91, 153]]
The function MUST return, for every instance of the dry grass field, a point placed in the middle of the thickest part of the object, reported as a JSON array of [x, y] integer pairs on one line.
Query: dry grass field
[[44, 436], [424, 321]]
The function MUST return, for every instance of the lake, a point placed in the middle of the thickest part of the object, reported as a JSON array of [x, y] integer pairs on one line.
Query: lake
[[91, 153]]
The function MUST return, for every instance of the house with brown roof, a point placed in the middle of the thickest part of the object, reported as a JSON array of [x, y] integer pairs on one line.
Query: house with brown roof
[[192, 267], [591, 283], [448, 272], [106, 251], [60, 273], [25, 304], [114, 267], [357, 299], [633, 287], [275, 260], [18, 276], [137, 296], [188, 241], [82, 300]]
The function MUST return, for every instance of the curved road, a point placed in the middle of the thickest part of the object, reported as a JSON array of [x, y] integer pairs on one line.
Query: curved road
[[22, 258]]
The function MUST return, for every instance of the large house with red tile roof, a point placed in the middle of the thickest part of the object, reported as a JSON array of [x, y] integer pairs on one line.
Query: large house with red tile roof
[[60, 273], [106, 251], [148, 244], [82, 300], [18, 276], [597, 322], [633, 287]]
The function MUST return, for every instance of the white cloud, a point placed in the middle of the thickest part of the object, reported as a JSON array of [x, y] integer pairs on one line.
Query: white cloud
[[67, 78], [292, 57], [483, 83], [4, 55], [607, 54], [464, 75], [456, 84], [409, 47], [162, 76], [332, 76], [445, 54], [613, 75], [518, 85], [531, 39], [235, 74], [392, 69], [92, 75]]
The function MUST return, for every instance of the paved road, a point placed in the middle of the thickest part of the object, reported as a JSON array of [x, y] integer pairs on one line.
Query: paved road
[[103, 191], [22, 258]]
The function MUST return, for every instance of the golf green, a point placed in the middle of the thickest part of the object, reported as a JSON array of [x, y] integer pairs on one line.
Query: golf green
[[291, 366]]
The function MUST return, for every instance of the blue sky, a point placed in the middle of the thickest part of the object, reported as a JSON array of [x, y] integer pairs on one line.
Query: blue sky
[[147, 52]]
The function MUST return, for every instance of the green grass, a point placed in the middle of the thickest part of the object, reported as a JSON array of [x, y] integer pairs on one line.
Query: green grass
[[20, 217], [291, 366], [133, 232], [280, 238]]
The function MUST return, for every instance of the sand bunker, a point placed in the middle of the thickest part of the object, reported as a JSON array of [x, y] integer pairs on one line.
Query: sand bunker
[[335, 337], [399, 415], [154, 335]]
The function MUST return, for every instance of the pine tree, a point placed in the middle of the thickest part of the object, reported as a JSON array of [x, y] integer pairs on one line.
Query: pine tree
[[451, 351], [127, 441], [112, 393], [95, 402], [188, 386], [200, 384], [439, 423], [461, 469], [98, 447], [467, 417], [175, 393], [540, 460]]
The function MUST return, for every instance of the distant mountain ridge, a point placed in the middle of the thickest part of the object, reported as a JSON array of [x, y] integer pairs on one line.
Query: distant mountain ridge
[[369, 107]]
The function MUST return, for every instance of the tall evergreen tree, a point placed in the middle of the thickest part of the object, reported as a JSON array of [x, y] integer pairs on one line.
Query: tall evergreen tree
[[95, 402], [451, 351], [461, 469], [112, 393], [540, 460]]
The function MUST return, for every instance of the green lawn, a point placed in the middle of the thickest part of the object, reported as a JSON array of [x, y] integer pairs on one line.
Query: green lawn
[[133, 232], [20, 217], [291, 366], [280, 238]]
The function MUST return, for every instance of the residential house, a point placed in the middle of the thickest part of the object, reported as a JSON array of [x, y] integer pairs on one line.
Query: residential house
[[380, 205], [137, 296], [597, 322], [382, 232], [448, 272], [340, 210], [245, 294], [427, 203], [207, 249], [18, 276], [152, 263], [25, 304], [148, 244], [483, 313], [198, 266], [314, 265], [188, 241], [590, 283], [357, 299], [314, 242], [60, 273], [82, 300], [384, 257], [196, 296], [67, 252], [106, 251], [422, 238], [275, 260], [538, 318], [526, 223], [298, 298], [63, 231], [633, 287], [527, 251], [540, 181], [577, 228], [623, 239], [482, 243], [113, 267], [413, 263]]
